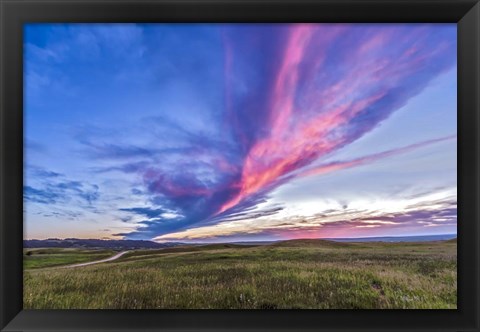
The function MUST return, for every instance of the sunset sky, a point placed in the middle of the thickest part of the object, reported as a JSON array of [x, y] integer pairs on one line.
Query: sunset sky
[[239, 132]]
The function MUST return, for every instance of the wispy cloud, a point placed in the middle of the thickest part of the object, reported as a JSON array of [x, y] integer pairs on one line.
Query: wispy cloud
[[41, 172], [52, 188], [339, 165], [236, 112], [353, 83], [145, 211], [419, 213], [40, 196]]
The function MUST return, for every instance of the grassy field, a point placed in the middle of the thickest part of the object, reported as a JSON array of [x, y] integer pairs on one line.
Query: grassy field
[[49, 257], [292, 274]]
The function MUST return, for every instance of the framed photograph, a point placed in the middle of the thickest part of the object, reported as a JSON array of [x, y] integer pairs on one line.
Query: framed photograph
[[228, 165]]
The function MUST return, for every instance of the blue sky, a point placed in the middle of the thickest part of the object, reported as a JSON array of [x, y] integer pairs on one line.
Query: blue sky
[[217, 132]]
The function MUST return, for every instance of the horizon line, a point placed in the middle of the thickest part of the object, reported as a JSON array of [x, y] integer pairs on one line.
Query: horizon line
[[318, 238]]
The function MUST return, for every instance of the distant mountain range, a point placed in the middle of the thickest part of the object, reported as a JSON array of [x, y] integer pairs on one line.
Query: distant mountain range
[[96, 243], [141, 244]]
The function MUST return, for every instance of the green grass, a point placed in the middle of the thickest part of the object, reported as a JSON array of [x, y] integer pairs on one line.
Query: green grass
[[49, 257], [294, 274]]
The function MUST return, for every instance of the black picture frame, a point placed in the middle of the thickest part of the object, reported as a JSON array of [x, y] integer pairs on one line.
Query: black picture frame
[[14, 13]]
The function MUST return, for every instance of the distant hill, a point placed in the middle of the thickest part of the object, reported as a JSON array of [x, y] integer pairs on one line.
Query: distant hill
[[417, 238], [352, 242], [215, 246], [309, 243], [452, 240], [140, 244], [96, 243]]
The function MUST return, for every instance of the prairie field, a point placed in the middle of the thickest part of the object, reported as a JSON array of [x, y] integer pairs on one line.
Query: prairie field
[[40, 258], [297, 274]]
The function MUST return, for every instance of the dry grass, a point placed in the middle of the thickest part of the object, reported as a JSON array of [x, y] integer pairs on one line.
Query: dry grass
[[301, 274], [49, 257]]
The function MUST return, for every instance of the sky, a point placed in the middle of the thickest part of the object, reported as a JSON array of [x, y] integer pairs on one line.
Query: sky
[[239, 132]]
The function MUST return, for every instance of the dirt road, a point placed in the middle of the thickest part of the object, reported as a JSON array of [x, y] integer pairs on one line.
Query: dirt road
[[120, 254]]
